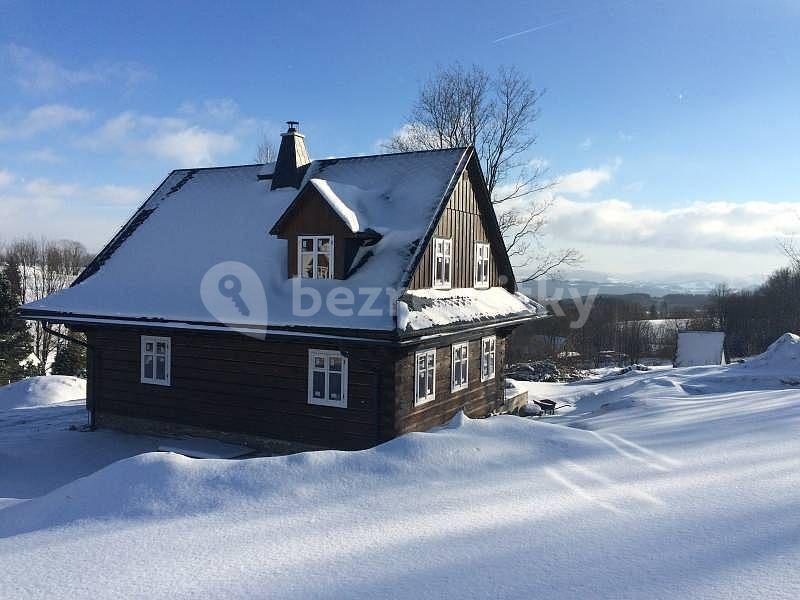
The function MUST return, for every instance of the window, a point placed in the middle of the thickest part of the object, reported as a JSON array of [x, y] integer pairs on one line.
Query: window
[[156, 357], [488, 347], [481, 265], [327, 378], [426, 375], [460, 359], [315, 256], [442, 257]]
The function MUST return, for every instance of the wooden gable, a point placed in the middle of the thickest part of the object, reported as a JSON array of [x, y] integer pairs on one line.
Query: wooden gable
[[310, 214], [467, 218]]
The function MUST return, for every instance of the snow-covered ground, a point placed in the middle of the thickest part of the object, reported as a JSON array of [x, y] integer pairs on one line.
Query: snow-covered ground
[[670, 483]]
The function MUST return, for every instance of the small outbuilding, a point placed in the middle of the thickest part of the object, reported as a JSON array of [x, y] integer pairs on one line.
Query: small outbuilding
[[699, 348]]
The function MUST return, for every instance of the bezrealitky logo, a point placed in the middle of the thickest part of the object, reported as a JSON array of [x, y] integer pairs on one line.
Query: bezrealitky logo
[[234, 295]]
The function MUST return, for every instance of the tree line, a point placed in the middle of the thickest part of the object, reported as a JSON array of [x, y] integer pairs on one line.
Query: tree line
[[753, 319], [31, 269], [617, 329]]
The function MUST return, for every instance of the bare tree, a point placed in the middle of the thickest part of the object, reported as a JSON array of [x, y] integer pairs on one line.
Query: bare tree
[[792, 251], [461, 106], [266, 151], [45, 267], [791, 248]]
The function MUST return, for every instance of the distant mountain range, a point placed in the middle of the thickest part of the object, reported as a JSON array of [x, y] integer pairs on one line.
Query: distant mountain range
[[654, 283]]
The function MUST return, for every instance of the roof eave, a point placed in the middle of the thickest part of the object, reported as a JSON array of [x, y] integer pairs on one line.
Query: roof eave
[[465, 326]]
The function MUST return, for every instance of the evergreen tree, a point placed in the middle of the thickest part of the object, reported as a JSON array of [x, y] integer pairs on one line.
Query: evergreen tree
[[70, 358], [15, 339]]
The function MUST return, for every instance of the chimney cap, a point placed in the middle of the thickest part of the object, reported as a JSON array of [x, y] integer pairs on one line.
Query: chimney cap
[[293, 126]]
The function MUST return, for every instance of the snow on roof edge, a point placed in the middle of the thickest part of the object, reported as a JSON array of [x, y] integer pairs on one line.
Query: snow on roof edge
[[337, 204], [418, 310]]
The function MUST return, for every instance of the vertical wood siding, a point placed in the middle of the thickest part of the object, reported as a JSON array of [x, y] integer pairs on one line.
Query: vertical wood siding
[[463, 222]]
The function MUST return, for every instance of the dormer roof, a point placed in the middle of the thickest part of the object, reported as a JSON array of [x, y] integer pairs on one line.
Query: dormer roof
[[344, 203]]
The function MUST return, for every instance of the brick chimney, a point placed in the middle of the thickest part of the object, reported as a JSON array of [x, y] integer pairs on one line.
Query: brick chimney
[[292, 158]]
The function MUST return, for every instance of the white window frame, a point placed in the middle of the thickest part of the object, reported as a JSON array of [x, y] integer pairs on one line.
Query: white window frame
[[154, 340], [429, 372], [316, 253], [326, 355], [443, 247], [459, 367], [482, 254], [492, 340]]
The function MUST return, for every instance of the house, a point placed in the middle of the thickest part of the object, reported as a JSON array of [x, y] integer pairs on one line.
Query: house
[[699, 348], [337, 302]]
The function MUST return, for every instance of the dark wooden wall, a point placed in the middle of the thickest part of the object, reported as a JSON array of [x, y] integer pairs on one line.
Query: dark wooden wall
[[230, 382], [478, 400], [315, 217], [462, 221]]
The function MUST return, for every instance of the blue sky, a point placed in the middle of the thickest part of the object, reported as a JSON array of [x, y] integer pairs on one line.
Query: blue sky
[[671, 125]]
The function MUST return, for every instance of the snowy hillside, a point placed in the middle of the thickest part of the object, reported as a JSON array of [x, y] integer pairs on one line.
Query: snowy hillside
[[671, 483]]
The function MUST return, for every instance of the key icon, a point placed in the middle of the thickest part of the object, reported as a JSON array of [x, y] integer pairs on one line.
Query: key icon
[[230, 286]]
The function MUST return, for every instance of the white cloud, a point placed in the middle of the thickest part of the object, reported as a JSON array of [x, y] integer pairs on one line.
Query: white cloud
[[64, 210], [45, 155], [102, 195], [41, 119], [723, 226], [51, 116], [582, 182], [191, 146], [116, 195], [6, 178], [114, 132], [37, 73], [216, 108], [634, 186], [413, 135], [181, 142], [617, 235], [586, 144], [44, 187]]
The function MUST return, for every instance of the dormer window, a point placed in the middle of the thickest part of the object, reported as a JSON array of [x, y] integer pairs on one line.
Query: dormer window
[[442, 261], [315, 256]]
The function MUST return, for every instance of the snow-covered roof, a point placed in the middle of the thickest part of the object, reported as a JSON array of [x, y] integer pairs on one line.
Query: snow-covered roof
[[424, 309], [335, 201], [167, 263], [698, 348]]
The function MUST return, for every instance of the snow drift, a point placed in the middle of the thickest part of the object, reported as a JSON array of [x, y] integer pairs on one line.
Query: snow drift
[[40, 391], [783, 355], [670, 483]]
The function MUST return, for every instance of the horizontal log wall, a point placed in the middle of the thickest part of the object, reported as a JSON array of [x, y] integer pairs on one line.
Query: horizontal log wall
[[478, 400], [230, 382]]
